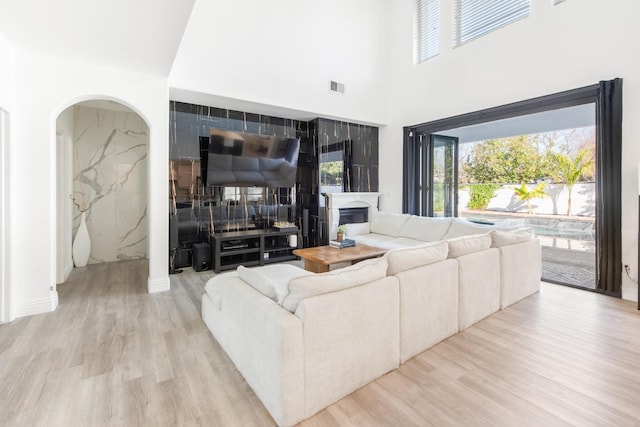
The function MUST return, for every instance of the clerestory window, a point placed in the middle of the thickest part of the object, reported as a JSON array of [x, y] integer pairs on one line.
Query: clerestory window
[[474, 18], [426, 30]]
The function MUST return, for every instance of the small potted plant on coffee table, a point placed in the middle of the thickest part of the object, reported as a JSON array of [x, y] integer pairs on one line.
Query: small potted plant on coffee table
[[342, 230]]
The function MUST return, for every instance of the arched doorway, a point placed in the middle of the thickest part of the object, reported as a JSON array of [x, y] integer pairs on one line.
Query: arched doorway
[[101, 163]]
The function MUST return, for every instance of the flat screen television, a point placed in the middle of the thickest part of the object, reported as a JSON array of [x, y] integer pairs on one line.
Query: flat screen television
[[245, 159]]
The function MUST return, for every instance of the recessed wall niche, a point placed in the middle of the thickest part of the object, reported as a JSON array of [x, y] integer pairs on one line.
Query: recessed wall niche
[[110, 180]]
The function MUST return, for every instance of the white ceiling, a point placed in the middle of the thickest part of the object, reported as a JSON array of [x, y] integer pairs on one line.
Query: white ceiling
[[144, 36], [139, 35], [547, 121]]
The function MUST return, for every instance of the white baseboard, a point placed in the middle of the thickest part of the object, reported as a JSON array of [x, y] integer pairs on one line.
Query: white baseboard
[[630, 291], [158, 284], [67, 272], [37, 306], [54, 300]]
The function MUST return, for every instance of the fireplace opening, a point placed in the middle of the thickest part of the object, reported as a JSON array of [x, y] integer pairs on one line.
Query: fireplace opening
[[353, 215]]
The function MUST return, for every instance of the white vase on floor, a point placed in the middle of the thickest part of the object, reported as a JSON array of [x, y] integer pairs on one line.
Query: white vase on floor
[[81, 244]]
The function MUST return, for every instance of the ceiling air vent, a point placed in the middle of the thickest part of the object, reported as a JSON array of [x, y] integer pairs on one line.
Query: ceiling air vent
[[336, 87]]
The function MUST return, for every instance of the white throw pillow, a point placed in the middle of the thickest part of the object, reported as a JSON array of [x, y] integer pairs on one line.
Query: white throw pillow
[[337, 280], [425, 228], [388, 224], [503, 238], [272, 280], [461, 227], [468, 244], [358, 229], [416, 256]]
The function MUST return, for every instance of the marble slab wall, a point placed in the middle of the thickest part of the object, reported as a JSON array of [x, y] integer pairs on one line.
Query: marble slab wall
[[110, 180]]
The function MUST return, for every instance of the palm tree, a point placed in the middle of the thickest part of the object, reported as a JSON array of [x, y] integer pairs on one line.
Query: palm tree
[[523, 193], [569, 170]]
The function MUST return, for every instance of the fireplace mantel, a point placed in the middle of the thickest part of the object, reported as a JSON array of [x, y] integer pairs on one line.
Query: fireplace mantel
[[335, 201]]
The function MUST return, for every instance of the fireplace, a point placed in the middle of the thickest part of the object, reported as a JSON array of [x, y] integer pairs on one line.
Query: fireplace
[[345, 208], [353, 215]]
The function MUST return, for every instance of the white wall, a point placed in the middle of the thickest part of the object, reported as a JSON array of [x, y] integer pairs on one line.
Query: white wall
[[7, 74], [7, 99], [284, 53], [555, 201], [574, 44], [45, 87], [64, 155]]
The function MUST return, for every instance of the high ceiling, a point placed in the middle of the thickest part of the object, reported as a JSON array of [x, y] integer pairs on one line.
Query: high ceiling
[[138, 35], [564, 118], [144, 36]]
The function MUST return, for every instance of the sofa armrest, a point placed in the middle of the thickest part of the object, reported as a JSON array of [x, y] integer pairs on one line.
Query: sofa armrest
[[263, 340], [520, 271], [351, 337]]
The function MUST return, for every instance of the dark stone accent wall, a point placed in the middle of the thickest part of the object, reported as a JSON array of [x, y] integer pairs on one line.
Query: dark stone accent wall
[[188, 122], [358, 144]]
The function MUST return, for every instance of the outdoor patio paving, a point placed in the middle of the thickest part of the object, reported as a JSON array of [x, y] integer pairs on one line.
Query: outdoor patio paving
[[571, 267]]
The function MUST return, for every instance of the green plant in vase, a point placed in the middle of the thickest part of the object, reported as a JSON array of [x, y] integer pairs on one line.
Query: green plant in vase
[[342, 231]]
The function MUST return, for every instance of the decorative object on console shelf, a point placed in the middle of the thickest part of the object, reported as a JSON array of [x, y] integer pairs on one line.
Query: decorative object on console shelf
[[285, 226], [341, 244]]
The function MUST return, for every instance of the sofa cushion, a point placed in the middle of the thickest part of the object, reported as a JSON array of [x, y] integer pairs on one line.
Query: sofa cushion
[[405, 242], [461, 227], [503, 238], [468, 244], [343, 278], [416, 256], [358, 229], [271, 280], [372, 239], [388, 224], [425, 228]]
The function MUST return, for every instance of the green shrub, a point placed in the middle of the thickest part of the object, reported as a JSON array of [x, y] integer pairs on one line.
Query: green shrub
[[481, 194]]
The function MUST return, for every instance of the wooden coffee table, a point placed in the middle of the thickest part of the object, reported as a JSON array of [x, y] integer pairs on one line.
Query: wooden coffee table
[[319, 259]]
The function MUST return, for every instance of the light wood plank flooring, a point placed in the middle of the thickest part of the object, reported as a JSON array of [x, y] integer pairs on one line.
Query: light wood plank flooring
[[113, 355]]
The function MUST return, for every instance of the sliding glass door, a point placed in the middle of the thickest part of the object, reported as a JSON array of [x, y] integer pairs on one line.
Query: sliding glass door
[[444, 176], [436, 177], [429, 184]]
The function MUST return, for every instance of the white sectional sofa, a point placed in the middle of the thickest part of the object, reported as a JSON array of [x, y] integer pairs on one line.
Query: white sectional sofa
[[303, 340], [519, 251], [333, 333], [392, 231]]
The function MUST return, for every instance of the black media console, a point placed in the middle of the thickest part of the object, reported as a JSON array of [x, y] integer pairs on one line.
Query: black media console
[[252, 247]]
